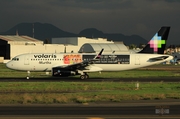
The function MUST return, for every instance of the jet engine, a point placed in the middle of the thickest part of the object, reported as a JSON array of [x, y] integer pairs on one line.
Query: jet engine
[[62, 72]]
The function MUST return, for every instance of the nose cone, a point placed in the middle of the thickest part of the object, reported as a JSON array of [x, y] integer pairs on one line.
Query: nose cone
[[9, 65]]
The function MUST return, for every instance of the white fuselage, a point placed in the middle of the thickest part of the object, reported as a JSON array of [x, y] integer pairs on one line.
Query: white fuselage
[[45, 62]]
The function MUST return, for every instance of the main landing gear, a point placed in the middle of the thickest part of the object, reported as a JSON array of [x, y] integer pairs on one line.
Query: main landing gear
[[28, 74], [84, 76]]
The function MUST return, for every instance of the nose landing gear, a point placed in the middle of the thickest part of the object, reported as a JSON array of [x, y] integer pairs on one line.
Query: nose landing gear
[[28, 74]]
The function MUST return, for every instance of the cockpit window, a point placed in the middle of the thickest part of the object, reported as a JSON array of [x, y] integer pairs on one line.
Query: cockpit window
[[15, 59]]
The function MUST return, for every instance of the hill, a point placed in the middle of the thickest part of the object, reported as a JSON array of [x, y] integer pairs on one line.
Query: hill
[[41, 31], [94, 33], [48, 31]]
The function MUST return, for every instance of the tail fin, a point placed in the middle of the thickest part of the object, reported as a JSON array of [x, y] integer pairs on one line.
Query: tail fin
[[158, 43]]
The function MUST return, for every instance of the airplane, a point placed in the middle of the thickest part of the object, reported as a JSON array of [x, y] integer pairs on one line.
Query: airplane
[[71, 64]]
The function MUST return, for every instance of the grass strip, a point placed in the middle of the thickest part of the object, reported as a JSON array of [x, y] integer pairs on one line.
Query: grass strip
[[84, 92], [156, 71]]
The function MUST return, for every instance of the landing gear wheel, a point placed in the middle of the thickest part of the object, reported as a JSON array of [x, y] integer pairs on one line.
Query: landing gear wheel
[[28, 74], [85, 76]]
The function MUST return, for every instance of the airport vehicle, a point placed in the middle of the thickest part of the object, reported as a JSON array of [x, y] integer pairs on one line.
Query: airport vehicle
[[68, 64]]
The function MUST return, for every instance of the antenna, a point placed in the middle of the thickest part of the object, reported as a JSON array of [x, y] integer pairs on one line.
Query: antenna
[[17, 34], [33, 30]]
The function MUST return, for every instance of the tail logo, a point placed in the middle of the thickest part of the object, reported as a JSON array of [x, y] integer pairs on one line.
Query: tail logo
[[156, 42]]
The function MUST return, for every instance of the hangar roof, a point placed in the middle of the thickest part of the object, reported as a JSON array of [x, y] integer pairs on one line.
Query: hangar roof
[[108, 48], [17, 38]]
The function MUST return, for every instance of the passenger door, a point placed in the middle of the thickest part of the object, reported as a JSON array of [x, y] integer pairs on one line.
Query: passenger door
[[137, 60], [26, 60]]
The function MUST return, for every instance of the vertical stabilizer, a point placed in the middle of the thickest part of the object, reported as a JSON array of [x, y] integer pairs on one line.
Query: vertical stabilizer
[[157, 44]]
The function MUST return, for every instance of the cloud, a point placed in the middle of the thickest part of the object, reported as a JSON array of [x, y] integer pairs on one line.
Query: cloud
[[142, 17], [172, 0]]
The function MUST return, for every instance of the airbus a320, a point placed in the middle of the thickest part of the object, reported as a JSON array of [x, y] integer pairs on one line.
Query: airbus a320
[[71, 64]]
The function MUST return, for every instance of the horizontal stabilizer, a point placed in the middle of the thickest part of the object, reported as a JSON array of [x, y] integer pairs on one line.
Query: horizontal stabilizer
[[158, 58]]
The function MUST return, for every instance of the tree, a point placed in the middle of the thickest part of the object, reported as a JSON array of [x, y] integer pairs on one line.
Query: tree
[[46, 41], [141, 46], [132, 46]]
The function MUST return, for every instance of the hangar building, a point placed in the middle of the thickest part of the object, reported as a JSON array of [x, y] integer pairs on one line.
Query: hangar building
[[109, 48], [78, 41], [10, 45], [13, 45]]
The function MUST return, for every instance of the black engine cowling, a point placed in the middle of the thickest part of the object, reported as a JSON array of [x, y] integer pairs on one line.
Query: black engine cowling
[[62, 72]]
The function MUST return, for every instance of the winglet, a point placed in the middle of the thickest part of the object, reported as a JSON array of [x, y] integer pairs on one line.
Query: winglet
[[158, 43], [99, 55]]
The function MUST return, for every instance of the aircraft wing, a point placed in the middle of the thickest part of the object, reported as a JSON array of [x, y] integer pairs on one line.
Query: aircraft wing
[[158, 58], [82, 65]]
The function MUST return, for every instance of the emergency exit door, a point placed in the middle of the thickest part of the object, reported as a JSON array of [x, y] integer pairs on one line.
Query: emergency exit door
[[137, 60], [26, 60]]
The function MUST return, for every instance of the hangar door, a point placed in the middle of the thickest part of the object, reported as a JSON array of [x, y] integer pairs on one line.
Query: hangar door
[[4, 49]]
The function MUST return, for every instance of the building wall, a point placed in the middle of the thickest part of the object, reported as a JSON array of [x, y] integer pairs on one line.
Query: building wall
[[1, 59], [65, 41], [83, 40], [70, 44], [78, 41]]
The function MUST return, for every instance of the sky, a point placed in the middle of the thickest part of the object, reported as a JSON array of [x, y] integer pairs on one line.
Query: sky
[[129, 17]]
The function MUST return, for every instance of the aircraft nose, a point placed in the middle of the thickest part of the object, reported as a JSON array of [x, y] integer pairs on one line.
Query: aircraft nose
[[9, 65]]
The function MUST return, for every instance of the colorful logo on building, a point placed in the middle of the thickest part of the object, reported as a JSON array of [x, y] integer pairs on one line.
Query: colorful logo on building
[[156, 42]]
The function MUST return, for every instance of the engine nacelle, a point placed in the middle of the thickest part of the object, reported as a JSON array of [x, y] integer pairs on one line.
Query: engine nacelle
[[62, 72]]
